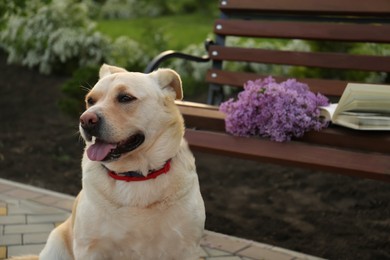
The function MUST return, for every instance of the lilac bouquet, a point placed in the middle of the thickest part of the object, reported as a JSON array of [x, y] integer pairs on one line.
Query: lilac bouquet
[[279, 111]]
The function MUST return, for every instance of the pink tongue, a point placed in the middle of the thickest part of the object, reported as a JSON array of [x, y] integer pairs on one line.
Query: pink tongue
[[99, 150]]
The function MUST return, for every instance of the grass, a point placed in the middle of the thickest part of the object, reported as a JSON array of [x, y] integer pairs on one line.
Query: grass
[[179, 30]]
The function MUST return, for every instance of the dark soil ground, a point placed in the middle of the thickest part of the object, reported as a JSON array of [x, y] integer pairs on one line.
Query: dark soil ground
[[322, 214]]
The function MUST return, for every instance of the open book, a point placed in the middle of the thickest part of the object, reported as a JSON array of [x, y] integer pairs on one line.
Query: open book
[[362, 106]]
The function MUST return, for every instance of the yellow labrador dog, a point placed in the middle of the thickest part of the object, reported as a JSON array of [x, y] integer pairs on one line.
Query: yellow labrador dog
[[140, 196]]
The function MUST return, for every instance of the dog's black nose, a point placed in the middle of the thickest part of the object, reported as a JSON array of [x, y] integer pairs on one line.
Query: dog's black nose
[[90, 122]]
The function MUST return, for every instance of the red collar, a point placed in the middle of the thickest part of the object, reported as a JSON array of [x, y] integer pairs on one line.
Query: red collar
[[136, 176]]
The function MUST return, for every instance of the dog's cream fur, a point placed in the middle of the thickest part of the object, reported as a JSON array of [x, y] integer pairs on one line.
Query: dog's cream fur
[[161, 218]]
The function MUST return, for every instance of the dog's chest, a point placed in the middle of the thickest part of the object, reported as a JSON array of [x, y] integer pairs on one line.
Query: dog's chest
[[149, 234]]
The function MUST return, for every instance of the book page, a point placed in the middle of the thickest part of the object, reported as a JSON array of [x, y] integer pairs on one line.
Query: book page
[[327, 112], [364, 97], [364, 122]]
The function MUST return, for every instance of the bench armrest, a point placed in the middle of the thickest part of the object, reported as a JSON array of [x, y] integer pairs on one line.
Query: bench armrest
[[166, 55]]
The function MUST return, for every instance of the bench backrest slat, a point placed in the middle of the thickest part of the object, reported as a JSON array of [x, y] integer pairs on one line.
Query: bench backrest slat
[[351, 7], [336, 22], [237, 79], [308, 59], [304, 30]]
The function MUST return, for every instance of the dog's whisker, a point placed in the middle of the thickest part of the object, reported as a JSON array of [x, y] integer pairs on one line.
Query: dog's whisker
[[86, 89], [79, 136]]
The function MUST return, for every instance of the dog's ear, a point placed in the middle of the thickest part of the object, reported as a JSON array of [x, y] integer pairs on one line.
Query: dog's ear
[[169, 80], [106, 70]]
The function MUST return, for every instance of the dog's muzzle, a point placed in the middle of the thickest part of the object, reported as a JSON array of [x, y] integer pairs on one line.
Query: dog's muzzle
[[101, 149], [91, 124]]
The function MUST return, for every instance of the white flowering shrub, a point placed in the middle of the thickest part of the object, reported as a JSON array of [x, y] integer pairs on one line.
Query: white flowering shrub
[[51, 35], [8, 7], [196, 70], [123, 52], [128, 53]]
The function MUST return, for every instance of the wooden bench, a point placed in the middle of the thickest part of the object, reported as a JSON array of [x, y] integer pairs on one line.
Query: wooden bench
[[357, 153]]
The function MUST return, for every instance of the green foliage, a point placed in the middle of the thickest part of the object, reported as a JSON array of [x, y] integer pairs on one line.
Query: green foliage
[[173, 30], [169, 7], [127, 53], [9, 7], [124, 9], [58, 36], [76, 88], [328, 46], [52, 36], [123, 52]]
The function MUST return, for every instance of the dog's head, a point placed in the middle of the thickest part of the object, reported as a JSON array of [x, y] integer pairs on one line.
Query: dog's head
[[129, 111]]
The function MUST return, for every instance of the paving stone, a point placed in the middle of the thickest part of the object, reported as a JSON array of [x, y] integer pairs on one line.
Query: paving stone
[[47, 200], [24, 250], [296, 255], [3, 252], [14, 239], [223, 242], [5, 187], [8, 199], [225, 258], [22, 194], [263, 253], [15, 219], [35, 219], [29, 228], [43, 209], [35, 238], [216, 252], [202, 252], [30, 207]]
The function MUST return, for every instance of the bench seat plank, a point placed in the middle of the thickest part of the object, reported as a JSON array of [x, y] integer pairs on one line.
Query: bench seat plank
[[209, 118], [373, 166]]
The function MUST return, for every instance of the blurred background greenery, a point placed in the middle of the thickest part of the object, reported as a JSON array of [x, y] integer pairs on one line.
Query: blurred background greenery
[[74, 37]]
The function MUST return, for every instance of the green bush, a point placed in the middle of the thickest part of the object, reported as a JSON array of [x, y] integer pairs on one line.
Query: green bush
[[9, 7], [76, 88], [123, 52], [127, 53], [52, 36], [124, 9]]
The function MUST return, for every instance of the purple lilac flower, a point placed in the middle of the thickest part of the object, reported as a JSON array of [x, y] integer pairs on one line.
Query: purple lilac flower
[[279, 111]]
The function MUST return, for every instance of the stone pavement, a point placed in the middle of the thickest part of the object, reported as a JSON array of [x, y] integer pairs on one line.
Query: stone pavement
[[28, 214]]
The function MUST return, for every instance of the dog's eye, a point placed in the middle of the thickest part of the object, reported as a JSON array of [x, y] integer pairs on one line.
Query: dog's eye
[[90, 101], [125, 98]]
